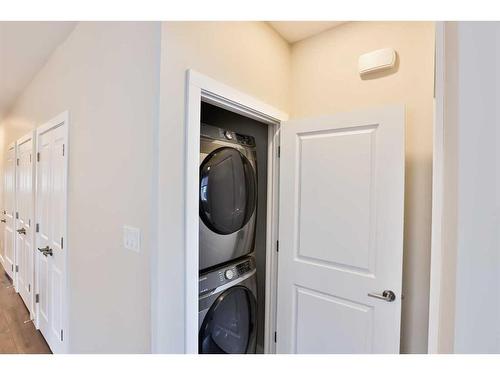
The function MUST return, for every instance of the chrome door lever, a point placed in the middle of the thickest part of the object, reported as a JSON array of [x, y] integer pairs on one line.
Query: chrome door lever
[[44, 249], [21, 231], [3, 221], [387, 295]]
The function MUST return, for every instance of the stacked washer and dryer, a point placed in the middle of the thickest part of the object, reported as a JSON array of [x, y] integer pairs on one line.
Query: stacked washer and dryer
[[227, 283]]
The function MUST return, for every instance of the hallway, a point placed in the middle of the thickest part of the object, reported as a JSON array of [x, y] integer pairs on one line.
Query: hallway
[[16, 337]]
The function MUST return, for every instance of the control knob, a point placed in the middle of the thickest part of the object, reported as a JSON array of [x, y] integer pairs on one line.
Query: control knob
[[229, 274]]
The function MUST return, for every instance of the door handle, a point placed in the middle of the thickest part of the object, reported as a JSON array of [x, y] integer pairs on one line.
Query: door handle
[[21, 231], [48, 252], [387, 295], [45, 250], [3, 221]]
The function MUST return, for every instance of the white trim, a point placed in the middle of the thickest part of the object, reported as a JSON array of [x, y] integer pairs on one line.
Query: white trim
[[271, 240], [202, 88], [60, 120], [437, 193]]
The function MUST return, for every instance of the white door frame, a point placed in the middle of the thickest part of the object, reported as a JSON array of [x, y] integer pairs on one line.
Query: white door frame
[[31, 135], [437, 191], [60, 120], [202, 88]]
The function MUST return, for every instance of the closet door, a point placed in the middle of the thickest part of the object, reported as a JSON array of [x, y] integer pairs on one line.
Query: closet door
[[25, 219], [341, 233], [51, 220], [9, 211]]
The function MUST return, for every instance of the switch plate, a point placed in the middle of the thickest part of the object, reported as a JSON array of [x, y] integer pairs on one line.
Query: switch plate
[[132, 238]]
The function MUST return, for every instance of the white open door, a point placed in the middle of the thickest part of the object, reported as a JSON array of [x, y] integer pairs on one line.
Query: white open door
[[24, 219], [51, 193], [9, 211], [341, 233]]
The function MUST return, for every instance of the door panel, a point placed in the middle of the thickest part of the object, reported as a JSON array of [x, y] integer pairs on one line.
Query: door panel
[[341, 233], [43, 205], [9, 215], [24, 204], [57, 219], [351, 333], [51, 218]]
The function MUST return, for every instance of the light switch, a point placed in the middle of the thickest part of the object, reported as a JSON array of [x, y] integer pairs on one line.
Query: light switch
[[131, 238]]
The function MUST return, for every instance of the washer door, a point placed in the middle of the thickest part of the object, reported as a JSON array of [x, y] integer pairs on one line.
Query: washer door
[[230, 325], [227, 190]]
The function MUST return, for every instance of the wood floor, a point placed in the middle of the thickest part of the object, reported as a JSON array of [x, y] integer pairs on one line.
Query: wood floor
[[15, 335]]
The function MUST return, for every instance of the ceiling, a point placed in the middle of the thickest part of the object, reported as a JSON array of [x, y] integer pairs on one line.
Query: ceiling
[[24, 49], [294, 31]]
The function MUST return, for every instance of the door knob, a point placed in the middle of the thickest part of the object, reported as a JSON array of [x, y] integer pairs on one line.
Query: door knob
[[3, 221], [387, 295], [21, 231]]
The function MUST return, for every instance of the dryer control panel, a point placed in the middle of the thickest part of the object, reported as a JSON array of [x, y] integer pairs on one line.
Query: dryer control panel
[[211, 280], [214, 132]]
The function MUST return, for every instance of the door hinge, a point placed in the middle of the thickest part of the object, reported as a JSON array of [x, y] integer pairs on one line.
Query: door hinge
[[17, 268], [279, 151], [63, 149], [37, 228], [17, 162], [12, 268], [37, 298], [29, 287], [62, 335], [37, 156], [30, 158], [17, 215], [277, 246], [62, 243], [275, 336]]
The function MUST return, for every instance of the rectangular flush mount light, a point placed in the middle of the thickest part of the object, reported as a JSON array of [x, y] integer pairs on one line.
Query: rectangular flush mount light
[[376, 61]]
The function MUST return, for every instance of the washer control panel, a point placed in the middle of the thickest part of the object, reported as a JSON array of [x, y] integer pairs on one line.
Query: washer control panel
[[213, 279]]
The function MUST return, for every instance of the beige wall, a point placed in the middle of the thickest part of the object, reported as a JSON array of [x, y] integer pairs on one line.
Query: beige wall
[[106, 75], [250, 57], [325, 80]]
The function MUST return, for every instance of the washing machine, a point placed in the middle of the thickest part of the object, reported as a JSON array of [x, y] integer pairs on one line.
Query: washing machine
[[227, 317], [227, 195]]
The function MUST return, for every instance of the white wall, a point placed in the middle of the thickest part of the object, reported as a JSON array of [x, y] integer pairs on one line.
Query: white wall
[[249, 56], [325, 80], [477, 319], [107, 75]]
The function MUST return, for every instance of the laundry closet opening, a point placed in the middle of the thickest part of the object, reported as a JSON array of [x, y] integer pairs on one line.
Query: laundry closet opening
[[233, 226]]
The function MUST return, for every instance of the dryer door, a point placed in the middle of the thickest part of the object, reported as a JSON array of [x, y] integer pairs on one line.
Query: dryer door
[[227, 190], [230, 325]]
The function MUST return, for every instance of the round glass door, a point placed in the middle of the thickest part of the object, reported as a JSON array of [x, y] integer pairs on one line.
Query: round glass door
[[227, 190], [229, 326]]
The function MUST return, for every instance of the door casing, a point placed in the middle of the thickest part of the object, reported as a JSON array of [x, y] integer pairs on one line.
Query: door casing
[[202, 88]]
